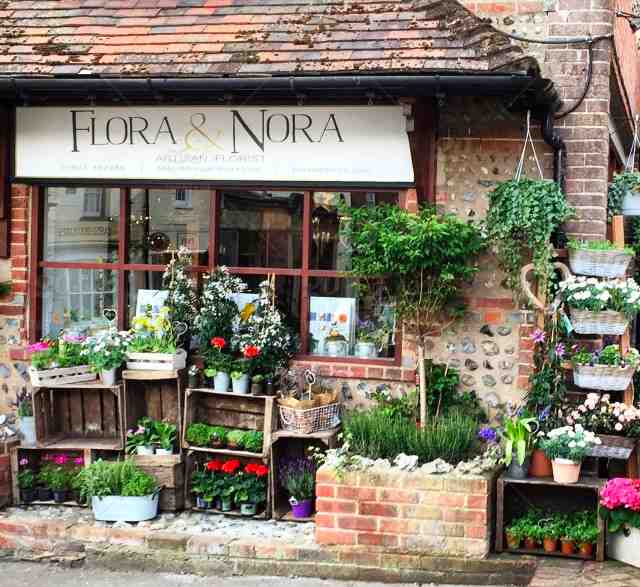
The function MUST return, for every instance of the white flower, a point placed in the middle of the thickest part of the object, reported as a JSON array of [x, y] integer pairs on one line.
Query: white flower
[[572, 444], [618, 426]]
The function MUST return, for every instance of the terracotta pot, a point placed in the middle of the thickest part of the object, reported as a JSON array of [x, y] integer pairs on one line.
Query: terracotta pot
[[586, 549], [565, 471], [550, 544], [568, 546], [513, 542], [530, 543], [540, 465]]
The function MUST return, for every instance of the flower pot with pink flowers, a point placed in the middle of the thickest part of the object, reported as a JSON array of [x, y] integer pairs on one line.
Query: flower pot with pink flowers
[[620, 507], [59, 361], [566, 447]]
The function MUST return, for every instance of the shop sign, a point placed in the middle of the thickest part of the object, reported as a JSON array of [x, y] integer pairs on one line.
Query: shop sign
[[361, 144]]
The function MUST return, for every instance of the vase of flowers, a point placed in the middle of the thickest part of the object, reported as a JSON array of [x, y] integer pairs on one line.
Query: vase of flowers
[[606, 369], [600, 307], [335, 344], [566, 447], [620, 507]]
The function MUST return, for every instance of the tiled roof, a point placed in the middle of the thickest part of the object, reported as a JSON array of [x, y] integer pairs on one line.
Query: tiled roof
[[140, 38]]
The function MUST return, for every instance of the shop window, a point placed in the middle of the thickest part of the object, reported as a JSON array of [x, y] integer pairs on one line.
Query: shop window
[[93, 203], [75, 300]]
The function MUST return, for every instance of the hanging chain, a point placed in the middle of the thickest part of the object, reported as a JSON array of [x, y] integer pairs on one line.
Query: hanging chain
[[631, 159], [528, 140]]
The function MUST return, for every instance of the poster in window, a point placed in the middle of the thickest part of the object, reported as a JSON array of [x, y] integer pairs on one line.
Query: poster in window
[[155, 298], [328, 315]]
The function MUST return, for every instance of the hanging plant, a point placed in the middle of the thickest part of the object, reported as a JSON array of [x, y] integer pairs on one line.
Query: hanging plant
[[623, 184], [522, 216]]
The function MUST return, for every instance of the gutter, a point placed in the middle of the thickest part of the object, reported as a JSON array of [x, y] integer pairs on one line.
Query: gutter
[[554, 140], [530, 90]]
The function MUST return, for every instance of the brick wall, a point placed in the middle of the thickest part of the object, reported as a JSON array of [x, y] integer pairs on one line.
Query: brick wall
[[437, 515]]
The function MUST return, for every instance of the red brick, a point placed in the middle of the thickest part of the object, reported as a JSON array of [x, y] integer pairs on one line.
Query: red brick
[[494, 317], [357, 493], [451, 500], [465, 516], [375, 372], [393, 374], [475, 532], [375, 539], [325, 475], [325, 491], [325, 520], [335, 506], [399, 496], [132, 537], [399, 526], [477, 502], [503, 303], [325, 536], [357, 523], [373, 508]]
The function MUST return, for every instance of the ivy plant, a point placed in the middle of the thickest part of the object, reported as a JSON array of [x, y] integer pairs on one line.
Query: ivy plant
[[422, 261], [622, 184], [522, 216]]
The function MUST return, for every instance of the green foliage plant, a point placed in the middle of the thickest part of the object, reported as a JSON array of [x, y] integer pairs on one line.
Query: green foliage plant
[[26, 479], [622, 184], [198, 434], [218, 435], [252, 441], [422, 261], [522, 216], [104, 478], [165, 433], [235, 438], [518, 437], [597, 245], [59, 478], [301, 485], [138, 484]]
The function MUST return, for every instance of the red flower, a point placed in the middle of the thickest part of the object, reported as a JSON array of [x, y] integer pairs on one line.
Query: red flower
[[218, 342], [262, 470], [251, 468], [231, 466], [251, 351], [214, 466]]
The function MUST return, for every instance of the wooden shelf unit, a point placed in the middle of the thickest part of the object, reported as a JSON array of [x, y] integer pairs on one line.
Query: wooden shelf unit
[[540, 492], [79, 416]]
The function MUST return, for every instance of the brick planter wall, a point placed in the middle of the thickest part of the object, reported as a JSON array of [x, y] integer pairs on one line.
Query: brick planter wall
[[409, 513]]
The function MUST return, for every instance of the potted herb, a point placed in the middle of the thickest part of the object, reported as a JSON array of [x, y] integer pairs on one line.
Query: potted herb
[[194, 376], [218, 436], [251, 488], [585, 533], [624, 194], [566, 447], [119, 491], [142, 439], [25, 417], [106, 352], [517, 436], [235, 438], [165, 435], [257, 382], [26, 482], [198, 434], [514, 534], [605, 369], [567, 543], [43, 489], [59, 480], [301, 486], [335, 344], [240, 378], [252, 441], [551, 528], [600, 307], [599, 258]]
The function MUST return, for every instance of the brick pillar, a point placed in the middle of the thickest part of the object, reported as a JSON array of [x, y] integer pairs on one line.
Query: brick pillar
[[585, 131]]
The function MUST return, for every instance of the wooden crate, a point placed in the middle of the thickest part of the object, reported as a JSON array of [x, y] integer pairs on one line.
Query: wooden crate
[[155, 394], [293, 444], [79, 416], [157, 361], [169, 471], [195, 459], [232, 410]]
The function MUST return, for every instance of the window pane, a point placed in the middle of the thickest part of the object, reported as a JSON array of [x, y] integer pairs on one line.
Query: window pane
[[161, 219], [74, 300], [329, 249], [345, 321], [81, 224], [261, 229]]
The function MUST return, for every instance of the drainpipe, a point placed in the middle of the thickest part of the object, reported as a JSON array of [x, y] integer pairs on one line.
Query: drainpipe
[[553, 139]]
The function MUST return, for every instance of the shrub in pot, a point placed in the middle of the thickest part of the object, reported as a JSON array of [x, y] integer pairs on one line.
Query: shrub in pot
[[623, 196], [119, 491], [43, 490], [566, 447], [517, 439], [59, 482]]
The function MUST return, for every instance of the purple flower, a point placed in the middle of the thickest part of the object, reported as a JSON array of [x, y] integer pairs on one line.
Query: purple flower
[[544, 414], [24, 462], [488, 434], [560, 350], [538, 336]]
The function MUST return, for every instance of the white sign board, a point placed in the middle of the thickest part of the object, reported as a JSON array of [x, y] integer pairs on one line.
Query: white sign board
[[327, 314], [363, 144], [151, 297]]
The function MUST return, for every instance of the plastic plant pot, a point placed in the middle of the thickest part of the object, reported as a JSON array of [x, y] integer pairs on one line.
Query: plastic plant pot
[[302, 509], [202, 503], [530, 543], [513, 542], [565, 471], [248, 509], [550, 544], [567, 547], [60, 496], [27, 495], [540, 465], [256, 389], [586, 549], [226, 504], [44, 494]]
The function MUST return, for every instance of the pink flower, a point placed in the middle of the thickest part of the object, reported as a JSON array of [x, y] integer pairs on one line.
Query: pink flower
[[23, 462], [73, 338], [78, 461], [60, 459], [621, 493], [38, 347], [538, 336]]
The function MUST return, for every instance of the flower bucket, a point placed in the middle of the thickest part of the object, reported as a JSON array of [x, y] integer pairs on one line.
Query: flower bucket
[[603, 377], [61, 375], [609, 263], [117, 508], [606, 322], [540, 465], [28, 430], [248, 509], [108, 377], [302, 509], [366, 350], [157, 361], [565, 471], [241, 385], [624, 546], [221, 382]]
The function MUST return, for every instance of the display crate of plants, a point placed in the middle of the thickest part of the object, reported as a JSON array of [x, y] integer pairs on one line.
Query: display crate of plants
[[227, 423], [229, 485], [59, 361], [599, 258]]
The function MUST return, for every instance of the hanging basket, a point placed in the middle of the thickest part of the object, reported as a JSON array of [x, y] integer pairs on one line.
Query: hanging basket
[[606, 322], [603, 377], [61, 375], [599, 263]]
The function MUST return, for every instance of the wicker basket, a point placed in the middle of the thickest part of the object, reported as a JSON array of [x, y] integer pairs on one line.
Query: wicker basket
[[61, 375], [310, 420], [607, 322], [599, 263], [157, 361], [603, 377]]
